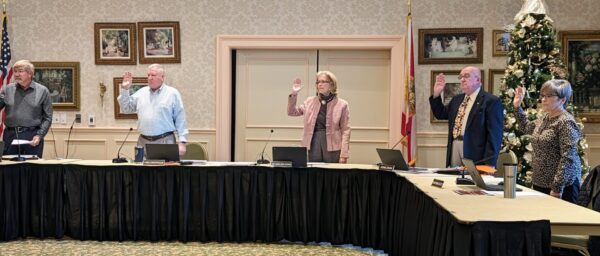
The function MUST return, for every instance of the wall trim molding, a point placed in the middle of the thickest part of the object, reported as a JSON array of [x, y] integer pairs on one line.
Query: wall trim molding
[[226, 43]]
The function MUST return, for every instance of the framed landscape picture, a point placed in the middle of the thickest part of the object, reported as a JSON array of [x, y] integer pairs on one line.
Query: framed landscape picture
[[62, 80], [159, 42], [495, 81], [450, 45], [581, 54], [138, 82], [500, 43], [115, 43]]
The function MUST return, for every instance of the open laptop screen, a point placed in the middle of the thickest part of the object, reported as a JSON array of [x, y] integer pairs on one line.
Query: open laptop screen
[[167, 152], [297, 155], [392, 157]]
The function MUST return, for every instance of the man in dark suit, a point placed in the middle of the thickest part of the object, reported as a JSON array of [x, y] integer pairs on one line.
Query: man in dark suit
[[475, 120]]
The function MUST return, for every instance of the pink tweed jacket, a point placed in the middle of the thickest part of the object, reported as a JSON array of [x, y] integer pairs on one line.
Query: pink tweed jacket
[[337, 122]]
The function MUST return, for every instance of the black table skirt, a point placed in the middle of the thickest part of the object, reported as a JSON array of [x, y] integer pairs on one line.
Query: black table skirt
[[247, 204]]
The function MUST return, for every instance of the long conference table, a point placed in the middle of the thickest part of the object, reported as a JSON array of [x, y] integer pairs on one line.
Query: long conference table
[[398, 212]]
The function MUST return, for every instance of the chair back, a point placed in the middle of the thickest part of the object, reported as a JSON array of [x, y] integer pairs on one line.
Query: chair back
[[507, 157], [195, 151]]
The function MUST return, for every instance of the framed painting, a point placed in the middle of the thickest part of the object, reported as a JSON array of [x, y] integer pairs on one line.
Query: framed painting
[[581, 53], [115, 43], [138, 82], [158, 42], [450, 45], [62, 80], [452, 88], [495, 81], [500, 43]]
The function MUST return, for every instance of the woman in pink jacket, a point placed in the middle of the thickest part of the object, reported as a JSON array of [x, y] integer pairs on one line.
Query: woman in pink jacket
[[326, 120]]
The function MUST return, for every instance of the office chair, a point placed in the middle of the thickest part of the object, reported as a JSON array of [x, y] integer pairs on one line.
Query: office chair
[[195, 151], [507, 157]]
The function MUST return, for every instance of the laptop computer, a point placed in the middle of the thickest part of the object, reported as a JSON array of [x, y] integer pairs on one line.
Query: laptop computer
[[392, 157], [167, 152], [474, 173], [297, 155]]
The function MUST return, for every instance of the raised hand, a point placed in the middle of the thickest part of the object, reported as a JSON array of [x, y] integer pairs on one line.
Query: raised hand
[[297, 86], [127, 80], [519, 95], [440, 83]]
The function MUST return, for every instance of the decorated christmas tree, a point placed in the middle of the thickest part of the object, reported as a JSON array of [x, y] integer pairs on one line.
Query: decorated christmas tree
[[533, 59]]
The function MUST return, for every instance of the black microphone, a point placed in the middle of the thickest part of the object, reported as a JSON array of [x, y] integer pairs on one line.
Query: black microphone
[[69, 137], [262, 159], [19, 158], [401, 139], [120, 159]]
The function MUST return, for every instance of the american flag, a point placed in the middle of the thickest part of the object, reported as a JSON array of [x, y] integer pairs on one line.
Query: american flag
[[5, 63]]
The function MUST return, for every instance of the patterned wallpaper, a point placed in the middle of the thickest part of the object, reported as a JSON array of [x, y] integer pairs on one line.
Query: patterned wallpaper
[[62, 30]]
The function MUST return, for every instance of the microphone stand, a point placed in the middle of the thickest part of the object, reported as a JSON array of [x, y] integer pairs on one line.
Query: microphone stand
[[120, 159], [19, 158], [69, 138], [262, 159]]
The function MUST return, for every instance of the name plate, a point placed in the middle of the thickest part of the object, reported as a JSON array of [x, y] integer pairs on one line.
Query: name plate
[[437, 183], [154, 162], [281, 163], [385, 167]]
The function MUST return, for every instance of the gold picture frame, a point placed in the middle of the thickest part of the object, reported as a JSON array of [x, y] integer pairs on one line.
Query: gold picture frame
[[500, 43], [580, 50], [495, 81], [115, 43], [158, 42], [450, 45], [62, 80]]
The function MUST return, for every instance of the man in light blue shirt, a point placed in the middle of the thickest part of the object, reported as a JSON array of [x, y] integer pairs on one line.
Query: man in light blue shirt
[[159, 108]]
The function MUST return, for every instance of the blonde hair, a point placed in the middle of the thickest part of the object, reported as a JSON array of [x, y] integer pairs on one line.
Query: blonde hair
[[332, 78]]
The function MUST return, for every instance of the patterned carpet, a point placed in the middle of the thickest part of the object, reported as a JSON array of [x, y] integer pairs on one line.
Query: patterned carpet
[[33, 247]]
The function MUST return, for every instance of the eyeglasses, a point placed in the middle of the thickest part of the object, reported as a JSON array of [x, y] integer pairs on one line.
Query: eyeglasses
[[322, 82], [465, 76], [547, 96]]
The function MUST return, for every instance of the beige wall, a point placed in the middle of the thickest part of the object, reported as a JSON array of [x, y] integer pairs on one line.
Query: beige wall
[[62, 30]]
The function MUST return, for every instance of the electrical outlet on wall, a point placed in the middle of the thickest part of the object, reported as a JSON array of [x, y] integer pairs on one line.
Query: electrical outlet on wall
[[91, 120], [56, 118], [63, 118], [78, 118]]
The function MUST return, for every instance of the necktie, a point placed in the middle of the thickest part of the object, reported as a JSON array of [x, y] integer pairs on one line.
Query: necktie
[[459, 117]]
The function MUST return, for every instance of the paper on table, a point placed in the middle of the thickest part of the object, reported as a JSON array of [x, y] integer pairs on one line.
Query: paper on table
[[20, 142]]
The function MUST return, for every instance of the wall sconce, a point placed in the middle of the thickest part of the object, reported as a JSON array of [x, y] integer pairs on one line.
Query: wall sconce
[[102, 90]]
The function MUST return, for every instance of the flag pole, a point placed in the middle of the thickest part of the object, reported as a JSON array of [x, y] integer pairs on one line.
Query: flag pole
[[4, 2]]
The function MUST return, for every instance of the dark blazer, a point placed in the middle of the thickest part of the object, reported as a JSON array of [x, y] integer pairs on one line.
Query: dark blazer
[[483, 132]]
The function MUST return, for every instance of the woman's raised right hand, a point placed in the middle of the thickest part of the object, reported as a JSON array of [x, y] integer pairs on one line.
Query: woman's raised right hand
[[297, 86], [519, 95]]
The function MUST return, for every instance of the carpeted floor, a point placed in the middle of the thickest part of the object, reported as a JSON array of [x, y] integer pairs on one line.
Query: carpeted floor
[[31, 247]]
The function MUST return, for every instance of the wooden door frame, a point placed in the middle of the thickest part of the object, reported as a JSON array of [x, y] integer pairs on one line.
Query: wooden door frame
[[227, 43]]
